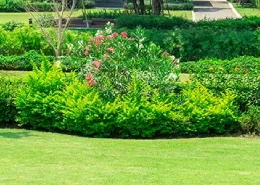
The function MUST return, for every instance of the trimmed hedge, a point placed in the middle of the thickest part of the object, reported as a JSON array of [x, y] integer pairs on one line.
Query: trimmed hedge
[[240, 65], [171, 6], [198, 43], [22, 62], [132, 21], [160, 22]]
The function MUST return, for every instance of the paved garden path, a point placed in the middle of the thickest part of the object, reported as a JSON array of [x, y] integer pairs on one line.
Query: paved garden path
[[213, 9]]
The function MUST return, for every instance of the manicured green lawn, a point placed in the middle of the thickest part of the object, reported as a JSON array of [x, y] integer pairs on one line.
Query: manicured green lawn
[[246, 11], [29, 157]]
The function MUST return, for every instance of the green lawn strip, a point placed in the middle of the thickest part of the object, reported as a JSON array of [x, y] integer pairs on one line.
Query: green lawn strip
[[24, 16], [246, 10], [30, 157]]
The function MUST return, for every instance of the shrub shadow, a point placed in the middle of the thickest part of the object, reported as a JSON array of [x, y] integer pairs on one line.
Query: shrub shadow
[[15, 135]]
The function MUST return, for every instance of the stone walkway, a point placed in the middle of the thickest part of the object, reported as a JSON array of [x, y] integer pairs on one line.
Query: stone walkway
[[213, 9]]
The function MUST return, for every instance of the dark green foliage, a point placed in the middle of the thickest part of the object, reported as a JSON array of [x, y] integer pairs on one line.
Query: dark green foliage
[[13, 6], [247, 87], [9, 88], [250, 121], [247, 23], [170, 6], [24, 62], [132, 21], [42, 6], [240, 65], [11, 25], [197, 43], [160, 22]]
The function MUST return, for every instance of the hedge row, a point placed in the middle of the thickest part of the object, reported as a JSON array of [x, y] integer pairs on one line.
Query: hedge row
[[170, 6], [132, 21], [241, 65]]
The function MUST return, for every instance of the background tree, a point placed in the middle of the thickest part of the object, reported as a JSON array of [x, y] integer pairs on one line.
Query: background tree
[[63, 13]]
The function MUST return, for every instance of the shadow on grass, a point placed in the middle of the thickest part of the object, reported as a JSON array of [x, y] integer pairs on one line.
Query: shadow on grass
[[15, 135]]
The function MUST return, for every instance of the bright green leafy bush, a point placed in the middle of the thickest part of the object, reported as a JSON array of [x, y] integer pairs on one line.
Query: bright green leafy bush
[[39, 103], [25, 39], [53, 101], [133, 21]]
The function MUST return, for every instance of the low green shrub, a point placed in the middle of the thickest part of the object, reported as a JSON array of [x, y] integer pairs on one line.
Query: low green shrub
[[42, 6], [132, 21], [250, 121], [24, 39], [246, 23], [46, 20], [11, 25], [23, 62], [246, 86], [170, 6], [9, 88], [198, 43], [160, 22], [240, 65], [38, 104], [13, 6]]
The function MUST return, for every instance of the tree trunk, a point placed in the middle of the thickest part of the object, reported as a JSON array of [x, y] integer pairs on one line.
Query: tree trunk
[[156, 7], [142, 7]]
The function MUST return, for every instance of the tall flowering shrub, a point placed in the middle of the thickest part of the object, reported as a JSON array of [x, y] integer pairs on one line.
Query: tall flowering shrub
[[114, 56]]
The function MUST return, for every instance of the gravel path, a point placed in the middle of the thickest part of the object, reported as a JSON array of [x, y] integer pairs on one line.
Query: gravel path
[[213, 9]]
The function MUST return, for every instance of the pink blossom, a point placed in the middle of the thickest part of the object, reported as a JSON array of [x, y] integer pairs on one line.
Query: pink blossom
[[109, 37], [86, 53], [111, 50], [106, 55], [97, 64], [165, 53], [124, 34], [91, 39], [100, 37], [90, 79], [98, 42], [87, 47], [114, 35]]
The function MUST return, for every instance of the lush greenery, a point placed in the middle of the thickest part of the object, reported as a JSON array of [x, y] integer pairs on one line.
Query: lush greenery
[[115, 162], [24, 39], [241, 65], [132, 21], [9, 88]]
